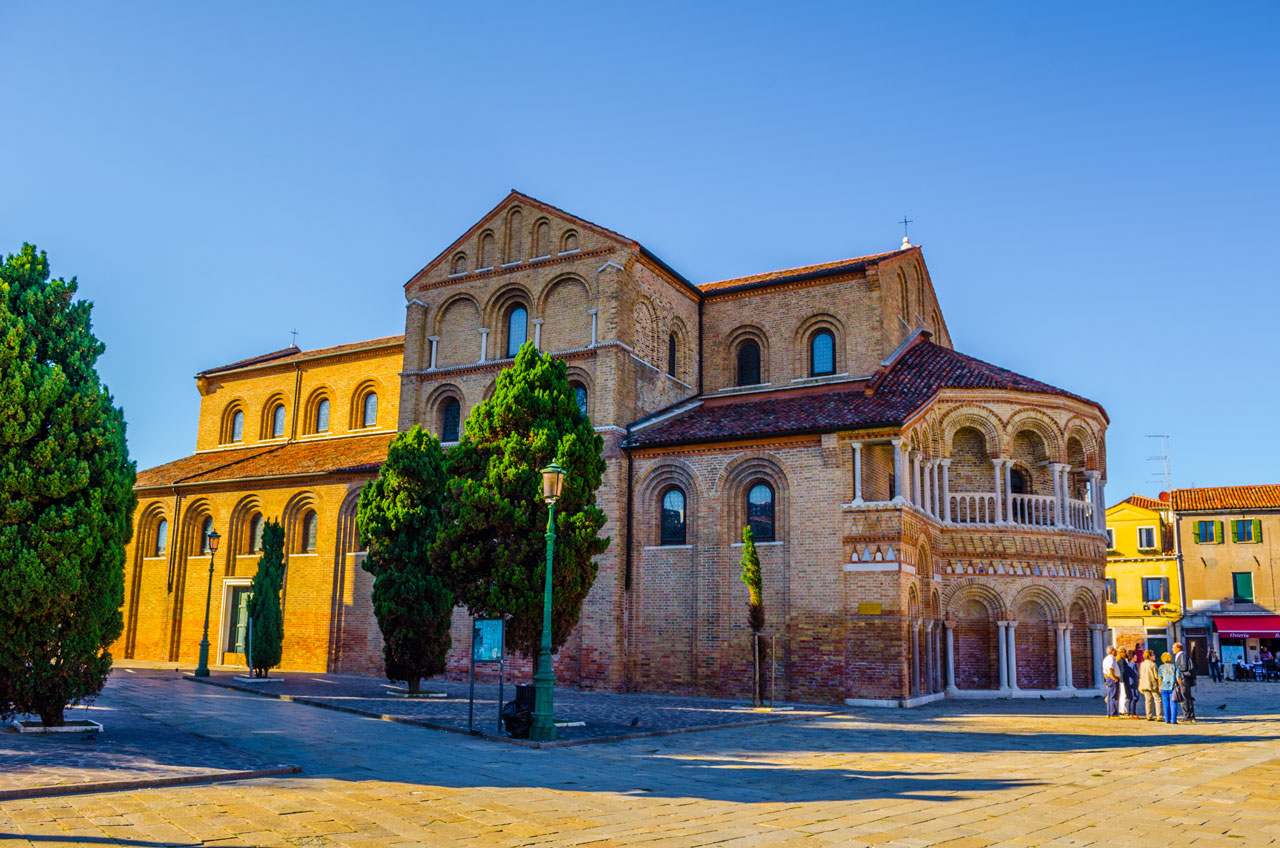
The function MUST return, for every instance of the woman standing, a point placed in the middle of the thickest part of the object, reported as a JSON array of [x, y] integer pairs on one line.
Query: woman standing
[[1168, 680], [1149, 686]]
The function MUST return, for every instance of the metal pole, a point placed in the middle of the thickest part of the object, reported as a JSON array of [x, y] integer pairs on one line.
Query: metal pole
[[502, 660], [544, 728], [471, 702], [249, 656], [202, 670]]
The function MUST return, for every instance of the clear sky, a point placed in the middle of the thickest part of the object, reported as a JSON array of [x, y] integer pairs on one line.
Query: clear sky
[[1095, 186]]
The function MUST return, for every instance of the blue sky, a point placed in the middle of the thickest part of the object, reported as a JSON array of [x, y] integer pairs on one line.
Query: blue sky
[[1095, 186]]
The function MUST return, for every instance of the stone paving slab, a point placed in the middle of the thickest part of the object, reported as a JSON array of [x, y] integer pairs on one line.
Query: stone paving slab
[[130, 752], [606, 716]]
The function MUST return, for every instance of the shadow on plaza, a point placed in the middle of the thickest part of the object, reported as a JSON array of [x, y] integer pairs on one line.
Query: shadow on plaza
[[37, 838]]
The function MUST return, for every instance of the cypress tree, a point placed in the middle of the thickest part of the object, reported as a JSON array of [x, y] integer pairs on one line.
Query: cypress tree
[[491, 548], [66, 496], [398, 516], [265, 615], [755, 609]]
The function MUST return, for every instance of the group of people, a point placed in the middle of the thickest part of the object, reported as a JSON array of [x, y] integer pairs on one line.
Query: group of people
[[1164, 686]]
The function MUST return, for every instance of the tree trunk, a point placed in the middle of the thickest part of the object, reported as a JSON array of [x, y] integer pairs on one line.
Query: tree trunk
[[415, 685], [51, 716]]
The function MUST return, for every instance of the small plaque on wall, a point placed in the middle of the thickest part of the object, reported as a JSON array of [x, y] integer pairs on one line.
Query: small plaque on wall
[[869, 608]]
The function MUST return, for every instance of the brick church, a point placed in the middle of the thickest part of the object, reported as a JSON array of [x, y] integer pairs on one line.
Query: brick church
[[928, 524]]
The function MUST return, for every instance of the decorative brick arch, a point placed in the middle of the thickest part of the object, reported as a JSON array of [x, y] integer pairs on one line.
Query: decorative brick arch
[[804, 333], [147, 522], [437, 326], [973, 607], [432, 412], [644, 331], [974, 589], [729, 352], [1035, 639], [1041, 595], [649, 491], [976, 417], [267, 418], [1043, 426], [495, 312], [239, 531], [225, 423], [736, 480], [564, 308], [355, 411]]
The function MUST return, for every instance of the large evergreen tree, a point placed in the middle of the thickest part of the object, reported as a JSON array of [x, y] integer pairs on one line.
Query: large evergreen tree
[[398, 517], [66, 496], [490, 548], [267, 619]]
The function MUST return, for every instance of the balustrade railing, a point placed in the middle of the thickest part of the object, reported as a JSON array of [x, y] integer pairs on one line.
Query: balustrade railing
[[1079, 514], [973, 508], [1033, 510]]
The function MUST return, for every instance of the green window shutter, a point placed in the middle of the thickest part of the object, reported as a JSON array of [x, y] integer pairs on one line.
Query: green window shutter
[[1257, 529], [1197, 532], [1217, 532], [1164, 589], [1235, 531]]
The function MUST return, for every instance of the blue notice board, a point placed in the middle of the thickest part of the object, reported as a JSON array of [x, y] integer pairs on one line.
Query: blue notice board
[[486, 640]]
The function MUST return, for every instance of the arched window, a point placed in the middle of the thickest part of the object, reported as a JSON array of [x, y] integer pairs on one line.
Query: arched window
[[486, 252], [904, 303], [459, 263], [206, 527], [255, 534], [370, 418], [580, 395], [237, 427], [162, 538], [748, 363], [277, 422], [1018, 482], [310, 528], [450, 420], [673, 517], [671, 354], [822, 354], [542, 239], [569, 242], [322, 416], [517, 328], [760, 512]]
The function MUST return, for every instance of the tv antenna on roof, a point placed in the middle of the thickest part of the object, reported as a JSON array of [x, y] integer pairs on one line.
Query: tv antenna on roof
[[1163, 458]]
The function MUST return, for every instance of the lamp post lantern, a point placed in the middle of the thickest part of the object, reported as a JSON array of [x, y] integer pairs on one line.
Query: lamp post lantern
[[202, 670], [543, 728]]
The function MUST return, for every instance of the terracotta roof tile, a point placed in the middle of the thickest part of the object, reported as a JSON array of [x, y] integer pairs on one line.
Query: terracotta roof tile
[[840, 266], [321, 456], [1146, 502], [1266, 496], [291, 353], [915, 377]]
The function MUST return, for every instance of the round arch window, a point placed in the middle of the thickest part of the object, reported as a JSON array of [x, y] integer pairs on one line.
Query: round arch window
[[673, 526], [450, 420], [310, 530], [370, 416], [162, 538], [322, 416], [748, 363], [517, 329], [822, 354], [760, 512], [277, 421]]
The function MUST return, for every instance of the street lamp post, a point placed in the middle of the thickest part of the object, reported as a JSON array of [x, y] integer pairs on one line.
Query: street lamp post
[[543, 728], [202, 670]]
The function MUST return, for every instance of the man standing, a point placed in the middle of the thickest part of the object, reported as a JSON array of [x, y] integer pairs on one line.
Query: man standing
[[1186, 679], [1111, 677]]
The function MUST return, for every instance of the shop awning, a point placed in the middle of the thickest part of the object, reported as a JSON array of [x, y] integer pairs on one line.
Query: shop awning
[[1248, 626]]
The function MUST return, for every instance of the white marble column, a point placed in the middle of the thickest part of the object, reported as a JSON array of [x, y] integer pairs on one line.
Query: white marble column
[[594, 325], [1002, 648], [914, 458], [857, 472], [1066, 640], [1013, 654], [898, 476], [1008, 490], [1059, 630], [946, 490], [933, 488], [537, 333], [435, 347], [484, 344], [1098, 654], [998, 467], [951, 657], [915, 658], [1095, 498]]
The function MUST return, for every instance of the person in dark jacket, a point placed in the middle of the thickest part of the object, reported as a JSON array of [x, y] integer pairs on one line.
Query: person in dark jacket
[[1129, 678], [1185, 665]]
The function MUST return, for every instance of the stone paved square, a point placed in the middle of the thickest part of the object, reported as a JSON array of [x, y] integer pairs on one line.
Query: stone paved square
[[1006, 773]]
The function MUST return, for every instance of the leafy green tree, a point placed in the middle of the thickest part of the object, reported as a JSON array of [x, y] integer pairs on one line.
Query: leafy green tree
[[491, 549], [399, 516], [66, 496], [265, 616], [755, 609]]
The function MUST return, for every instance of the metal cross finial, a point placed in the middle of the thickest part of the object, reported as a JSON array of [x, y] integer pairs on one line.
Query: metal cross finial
[[904, 222], [295, 337]]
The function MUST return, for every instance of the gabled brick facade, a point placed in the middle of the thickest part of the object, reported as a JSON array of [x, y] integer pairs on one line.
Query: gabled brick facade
[[920, 498]]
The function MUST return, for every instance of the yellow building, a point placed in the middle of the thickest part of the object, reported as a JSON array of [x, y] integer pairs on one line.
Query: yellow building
[[1142, 574]]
